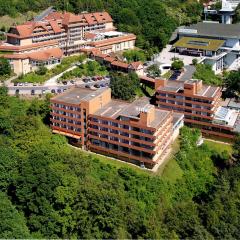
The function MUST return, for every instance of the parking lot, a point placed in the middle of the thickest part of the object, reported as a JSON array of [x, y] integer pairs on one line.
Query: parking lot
[[39, 89]]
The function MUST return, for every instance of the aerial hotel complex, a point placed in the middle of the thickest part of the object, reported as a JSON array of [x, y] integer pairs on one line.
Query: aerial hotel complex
[[136, 132], [200, 105], [50, 36]]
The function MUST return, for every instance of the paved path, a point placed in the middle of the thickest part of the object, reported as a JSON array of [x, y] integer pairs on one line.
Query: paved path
[[8, 81], [53, 80]]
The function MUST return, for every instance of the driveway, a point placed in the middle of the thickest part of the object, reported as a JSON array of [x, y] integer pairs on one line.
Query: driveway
[[188, 73], [53, 81]]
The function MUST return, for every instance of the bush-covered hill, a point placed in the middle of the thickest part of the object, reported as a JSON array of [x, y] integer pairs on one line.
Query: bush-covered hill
[[152, 20]]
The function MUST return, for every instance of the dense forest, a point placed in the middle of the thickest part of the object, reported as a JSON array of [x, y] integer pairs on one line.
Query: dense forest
[[50, 190], [153, 21]]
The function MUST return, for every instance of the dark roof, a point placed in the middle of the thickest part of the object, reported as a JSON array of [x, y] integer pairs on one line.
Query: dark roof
[[216, 29]]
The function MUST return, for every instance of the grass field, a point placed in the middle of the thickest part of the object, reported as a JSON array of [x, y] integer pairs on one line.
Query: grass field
[[113, 162], [218, 147], [172, 171]]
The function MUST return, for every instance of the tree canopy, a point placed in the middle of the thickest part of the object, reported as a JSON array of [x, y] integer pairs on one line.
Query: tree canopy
[[124, 86], [5, 68], [232, 82]]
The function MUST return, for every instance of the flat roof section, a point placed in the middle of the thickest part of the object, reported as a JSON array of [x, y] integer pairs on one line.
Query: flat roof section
[[175, 86], [199, 43], [77, 94], [115, 109], [112, 109]]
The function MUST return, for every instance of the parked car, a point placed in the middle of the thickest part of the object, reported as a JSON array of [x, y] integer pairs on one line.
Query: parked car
[[20, 84], [72, 81], [53, 91], [34, 84], [96, 86], [87, 86], [64, 83], [15, 84], [25, 84], [59, 90]]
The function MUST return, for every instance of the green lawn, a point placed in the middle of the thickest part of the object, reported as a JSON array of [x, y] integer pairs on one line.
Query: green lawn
[[114, 162], [218, 147], [172, 171], [65, 64]]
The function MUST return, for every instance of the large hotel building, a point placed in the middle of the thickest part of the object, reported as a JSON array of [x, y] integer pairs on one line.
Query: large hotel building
[[200, 105], [50, 36], [136, 132]]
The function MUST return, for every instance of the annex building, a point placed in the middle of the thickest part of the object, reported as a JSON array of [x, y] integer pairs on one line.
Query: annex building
[[135, 132], [52, 35], [217, 44], [200, 105]]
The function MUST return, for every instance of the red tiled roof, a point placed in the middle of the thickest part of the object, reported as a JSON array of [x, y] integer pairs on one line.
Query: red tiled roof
[[71, 18], [54, 16], [135, 65], [106, 47], [113, 40], [46, 54], [17, 48], [109, 59], [38, 55], [120, 64], [97, 17], [148, 79], [102, 55], [55, 26], [89, 35], [15, 56], [26, 30]]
